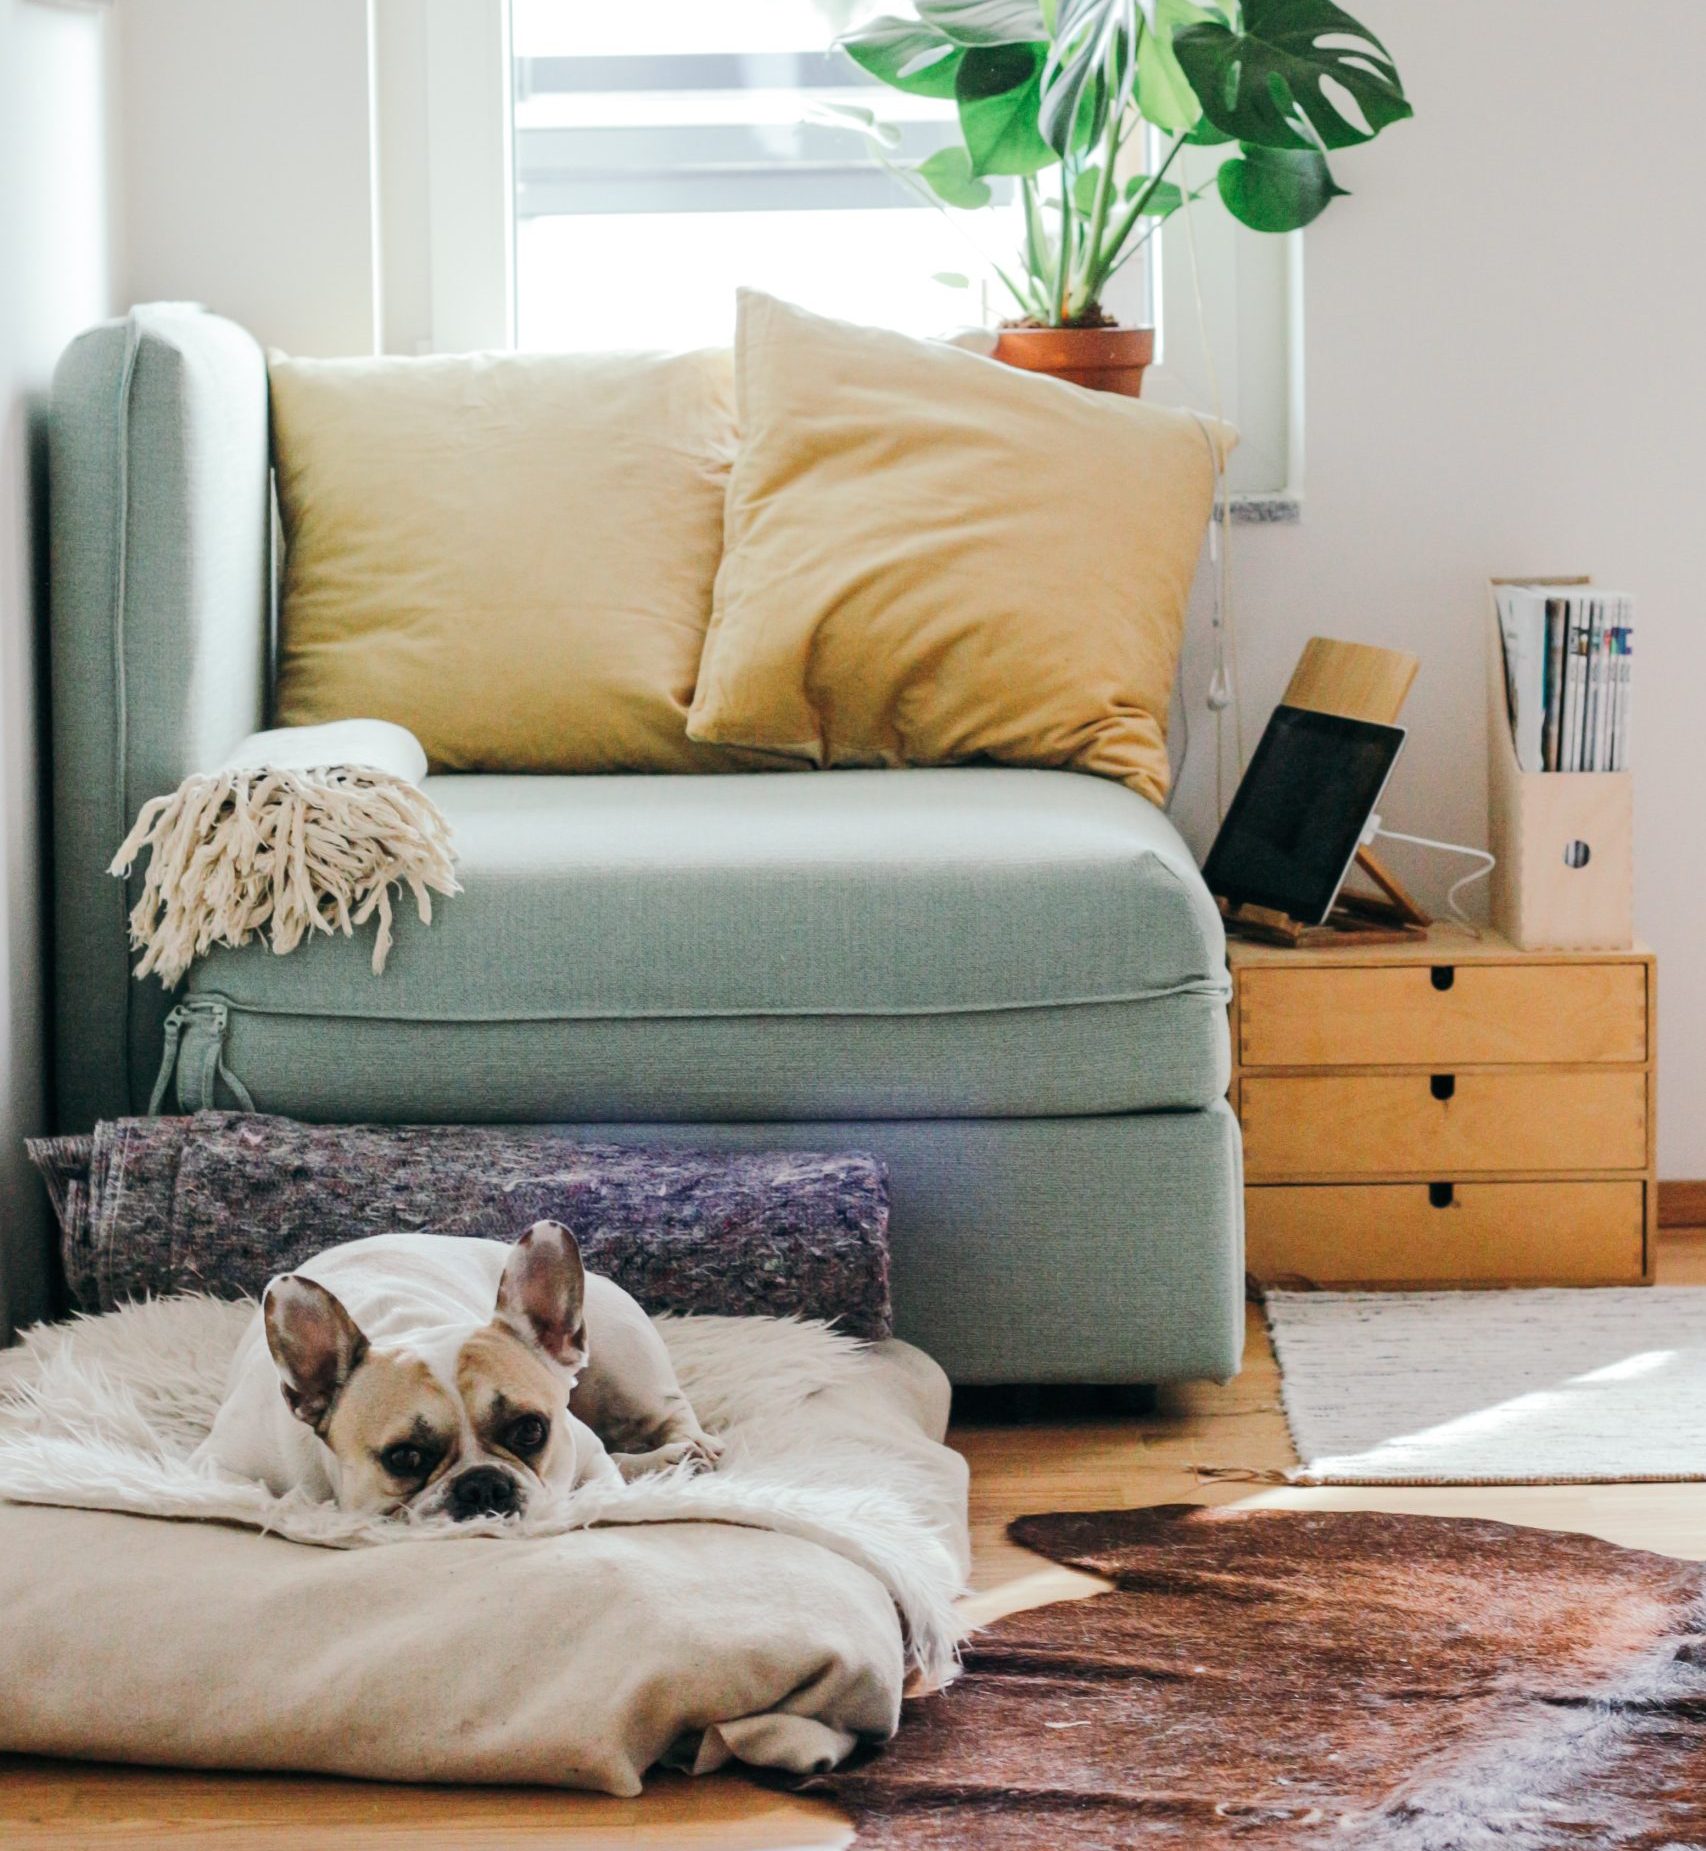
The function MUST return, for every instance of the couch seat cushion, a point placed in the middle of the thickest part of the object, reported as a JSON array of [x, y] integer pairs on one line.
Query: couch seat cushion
[[870, 943]]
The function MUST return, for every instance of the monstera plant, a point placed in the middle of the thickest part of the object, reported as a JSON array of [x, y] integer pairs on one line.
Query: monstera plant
[[1064, 97]]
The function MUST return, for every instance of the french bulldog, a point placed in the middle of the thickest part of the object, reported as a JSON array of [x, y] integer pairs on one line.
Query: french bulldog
[[435, 1375]]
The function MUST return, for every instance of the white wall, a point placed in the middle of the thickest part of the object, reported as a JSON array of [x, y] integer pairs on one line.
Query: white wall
[[53, 280], [248, 178], [1503, 364], [1504, 374]]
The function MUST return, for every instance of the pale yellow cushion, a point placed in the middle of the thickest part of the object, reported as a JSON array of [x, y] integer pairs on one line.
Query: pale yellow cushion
[[511, 555], [931, 557]]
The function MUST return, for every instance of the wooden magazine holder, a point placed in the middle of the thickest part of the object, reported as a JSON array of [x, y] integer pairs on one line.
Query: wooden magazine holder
[[1565, 877]]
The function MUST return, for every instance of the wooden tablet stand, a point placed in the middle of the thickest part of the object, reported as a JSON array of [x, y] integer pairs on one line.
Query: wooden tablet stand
[[1360, 682]]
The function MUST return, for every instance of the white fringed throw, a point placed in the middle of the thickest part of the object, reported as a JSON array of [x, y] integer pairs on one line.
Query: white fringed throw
[[302, 829]]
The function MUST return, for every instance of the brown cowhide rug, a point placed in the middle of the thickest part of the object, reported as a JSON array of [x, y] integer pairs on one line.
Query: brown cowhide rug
[[1276, 1678]]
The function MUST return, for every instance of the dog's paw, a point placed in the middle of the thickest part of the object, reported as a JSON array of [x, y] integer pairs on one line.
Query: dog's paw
[[659, 1459], [702, 1454]]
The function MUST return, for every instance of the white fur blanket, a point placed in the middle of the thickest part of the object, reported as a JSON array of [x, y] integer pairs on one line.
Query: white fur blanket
[[830, 1443]]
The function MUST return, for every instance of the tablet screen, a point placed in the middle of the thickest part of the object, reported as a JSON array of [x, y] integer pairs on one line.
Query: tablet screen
[[1300, 811]]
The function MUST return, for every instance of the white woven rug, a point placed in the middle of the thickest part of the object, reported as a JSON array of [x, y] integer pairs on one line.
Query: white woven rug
[[1516, 1387]]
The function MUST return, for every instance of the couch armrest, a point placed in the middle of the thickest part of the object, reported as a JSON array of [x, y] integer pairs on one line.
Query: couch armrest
[[160, 602]]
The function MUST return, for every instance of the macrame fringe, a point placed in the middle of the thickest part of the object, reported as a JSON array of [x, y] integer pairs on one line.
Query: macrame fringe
[[236, 855]]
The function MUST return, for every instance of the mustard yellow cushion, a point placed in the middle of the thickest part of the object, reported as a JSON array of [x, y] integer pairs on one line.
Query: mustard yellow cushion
[[930, 557], [511, 555]]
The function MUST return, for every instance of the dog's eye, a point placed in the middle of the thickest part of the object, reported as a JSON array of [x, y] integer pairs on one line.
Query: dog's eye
[[403, 1461], [528, 1434]]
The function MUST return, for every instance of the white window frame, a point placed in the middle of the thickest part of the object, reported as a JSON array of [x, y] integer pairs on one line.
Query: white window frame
[[444, 153], [443, 174]]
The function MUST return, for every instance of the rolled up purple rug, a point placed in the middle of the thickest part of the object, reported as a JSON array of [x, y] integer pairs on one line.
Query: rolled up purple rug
[[222, 1201]]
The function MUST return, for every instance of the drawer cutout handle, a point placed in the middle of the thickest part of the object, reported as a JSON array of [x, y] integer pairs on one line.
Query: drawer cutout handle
[[1443, 976], [1442, 1085], [1440, 1194]]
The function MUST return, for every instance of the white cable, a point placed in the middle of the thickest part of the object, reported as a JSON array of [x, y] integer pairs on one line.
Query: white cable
[[1223, 680], [1488, 863], [1184, 747], [1218, 698]]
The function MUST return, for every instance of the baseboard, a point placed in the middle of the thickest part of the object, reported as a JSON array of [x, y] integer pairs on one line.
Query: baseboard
[[1682, 1204]]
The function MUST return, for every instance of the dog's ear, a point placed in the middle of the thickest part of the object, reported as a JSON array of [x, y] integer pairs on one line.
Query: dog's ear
[[315, 1343], [542, 1295]]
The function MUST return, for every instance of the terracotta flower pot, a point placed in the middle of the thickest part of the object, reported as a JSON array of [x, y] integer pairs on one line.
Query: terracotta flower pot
[[1105, 359]]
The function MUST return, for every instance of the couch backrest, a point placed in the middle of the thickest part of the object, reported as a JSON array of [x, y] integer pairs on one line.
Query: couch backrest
[[160, 598]]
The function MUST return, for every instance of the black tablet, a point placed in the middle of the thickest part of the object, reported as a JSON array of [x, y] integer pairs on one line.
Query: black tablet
[[1300, 812]]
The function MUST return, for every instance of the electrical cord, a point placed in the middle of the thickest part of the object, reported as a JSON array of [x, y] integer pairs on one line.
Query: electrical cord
[[1178, 776], [1488, 863], [1223, 674], [1219, 693]]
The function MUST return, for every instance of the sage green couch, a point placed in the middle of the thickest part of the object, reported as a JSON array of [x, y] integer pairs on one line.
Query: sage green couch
[[1008, 984]]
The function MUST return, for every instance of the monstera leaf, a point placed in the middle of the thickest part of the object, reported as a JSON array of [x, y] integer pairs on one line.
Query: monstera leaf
[[948, 175], [985, 22], [1164, 93], [1090, 69], [997, 91], [905, 55], [1265, 83], [1164, 198], [1276, 189], [883, 136]]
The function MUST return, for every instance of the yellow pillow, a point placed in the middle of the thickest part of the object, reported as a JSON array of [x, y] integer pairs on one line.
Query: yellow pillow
[[512, 555], [931, 557]]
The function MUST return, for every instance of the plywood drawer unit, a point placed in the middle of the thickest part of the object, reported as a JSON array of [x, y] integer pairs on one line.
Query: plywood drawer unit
[[1431, 1234], [1301, 1125], [1449, 1111], [1445, 1015]]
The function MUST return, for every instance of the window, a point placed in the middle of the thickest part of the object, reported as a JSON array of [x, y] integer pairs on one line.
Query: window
[[607, 177], [651, 182]]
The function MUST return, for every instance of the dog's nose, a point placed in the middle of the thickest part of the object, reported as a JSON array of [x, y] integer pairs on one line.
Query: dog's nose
[[483, 1491]]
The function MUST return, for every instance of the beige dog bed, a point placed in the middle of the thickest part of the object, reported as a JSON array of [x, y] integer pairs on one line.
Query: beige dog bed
[[770, 1611]]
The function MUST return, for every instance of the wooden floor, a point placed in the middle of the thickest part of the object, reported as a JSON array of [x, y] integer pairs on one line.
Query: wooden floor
[[1170, 1458]]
